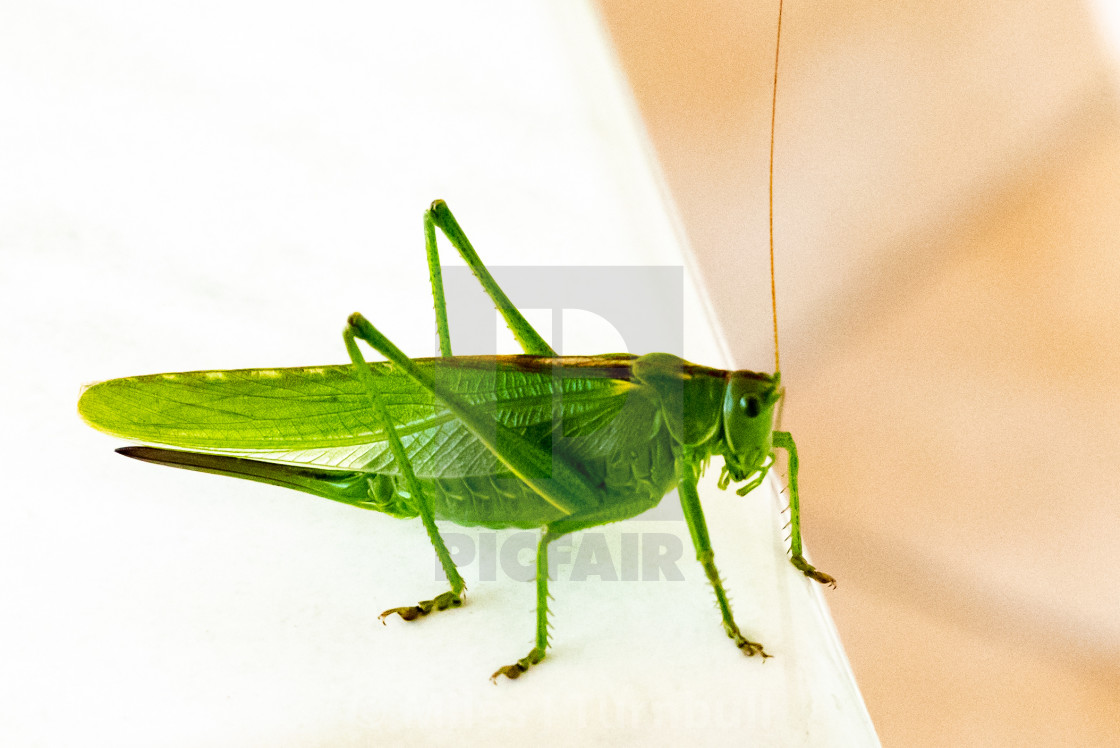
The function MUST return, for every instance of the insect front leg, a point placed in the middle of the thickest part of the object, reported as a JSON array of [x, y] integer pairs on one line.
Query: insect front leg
[[783, 440], [454, 598], [687, 476]]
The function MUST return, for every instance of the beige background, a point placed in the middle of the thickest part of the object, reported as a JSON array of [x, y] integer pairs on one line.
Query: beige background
[[947, 193]]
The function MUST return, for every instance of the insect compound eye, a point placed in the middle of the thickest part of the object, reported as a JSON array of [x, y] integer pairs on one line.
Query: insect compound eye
[[750, 405]]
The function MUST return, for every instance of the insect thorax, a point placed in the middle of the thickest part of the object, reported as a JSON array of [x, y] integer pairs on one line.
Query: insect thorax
[[714, 411]]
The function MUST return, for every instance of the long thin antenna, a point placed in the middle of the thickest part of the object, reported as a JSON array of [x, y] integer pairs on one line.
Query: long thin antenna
[[773, 119]]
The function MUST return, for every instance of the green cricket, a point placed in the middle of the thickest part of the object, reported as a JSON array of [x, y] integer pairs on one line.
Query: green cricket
[[538, 440]]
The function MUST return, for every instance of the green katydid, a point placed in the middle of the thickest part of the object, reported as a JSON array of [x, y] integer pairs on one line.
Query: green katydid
[[537, 440]]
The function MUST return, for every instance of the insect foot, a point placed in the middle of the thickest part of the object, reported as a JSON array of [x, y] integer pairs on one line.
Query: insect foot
[[745, 645], [424, 607], [536, 654], [810, 571]]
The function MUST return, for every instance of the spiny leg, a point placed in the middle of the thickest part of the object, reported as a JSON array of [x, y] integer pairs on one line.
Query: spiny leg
[[435, 275], [549, 474], [687, 475], [439, 215], [556, 530], [783, 440], [453, 598], [536, 654]]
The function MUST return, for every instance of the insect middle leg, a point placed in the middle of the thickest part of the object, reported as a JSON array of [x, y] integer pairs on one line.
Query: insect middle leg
[[536, 654], [453, 598], [554, 531]]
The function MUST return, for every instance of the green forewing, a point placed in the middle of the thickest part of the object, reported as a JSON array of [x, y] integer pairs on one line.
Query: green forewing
[[320, 416]]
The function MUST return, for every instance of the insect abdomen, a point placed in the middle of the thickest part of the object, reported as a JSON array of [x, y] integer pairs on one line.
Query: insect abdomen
[[633, 480]]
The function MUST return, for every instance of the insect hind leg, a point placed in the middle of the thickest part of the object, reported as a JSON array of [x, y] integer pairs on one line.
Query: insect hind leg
[[440, 215], [453, 598]]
